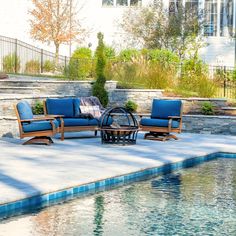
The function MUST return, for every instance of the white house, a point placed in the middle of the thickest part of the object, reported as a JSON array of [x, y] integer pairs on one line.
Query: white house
[[105, 15]]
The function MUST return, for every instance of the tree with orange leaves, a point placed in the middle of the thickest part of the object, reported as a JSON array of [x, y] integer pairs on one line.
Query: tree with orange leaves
[[55, 21]]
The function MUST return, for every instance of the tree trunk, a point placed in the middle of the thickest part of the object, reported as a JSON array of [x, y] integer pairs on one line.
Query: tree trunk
[[57, 57]]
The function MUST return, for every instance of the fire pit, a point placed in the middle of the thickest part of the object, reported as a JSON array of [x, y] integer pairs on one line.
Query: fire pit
[[124, 127]]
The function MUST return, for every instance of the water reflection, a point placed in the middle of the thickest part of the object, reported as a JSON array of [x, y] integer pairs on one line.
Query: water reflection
[[98, 216], [195, 201]]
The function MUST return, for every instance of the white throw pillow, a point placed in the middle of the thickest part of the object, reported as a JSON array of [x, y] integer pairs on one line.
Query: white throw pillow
[[93, 110]]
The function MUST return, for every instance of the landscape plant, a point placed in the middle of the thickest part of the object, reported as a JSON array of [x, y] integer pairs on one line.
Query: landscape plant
[[82, 62], [131, 106], [32, 67], [98, 89], [11, 63], [128, 54], [194, 79], [38, 108], [207, 108], [48, 66]]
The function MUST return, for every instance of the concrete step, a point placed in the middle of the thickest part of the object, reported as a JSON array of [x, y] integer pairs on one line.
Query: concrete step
[[20, 90]]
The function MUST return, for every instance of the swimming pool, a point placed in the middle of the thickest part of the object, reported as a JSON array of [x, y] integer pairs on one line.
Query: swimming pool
[[195, 201]]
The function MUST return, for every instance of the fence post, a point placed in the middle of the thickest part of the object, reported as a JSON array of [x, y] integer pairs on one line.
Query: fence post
[[65, 61], [224, 81], [15, 56], [41, 60]]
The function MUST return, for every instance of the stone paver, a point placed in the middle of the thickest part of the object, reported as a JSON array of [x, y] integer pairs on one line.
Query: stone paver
[[30, 170]]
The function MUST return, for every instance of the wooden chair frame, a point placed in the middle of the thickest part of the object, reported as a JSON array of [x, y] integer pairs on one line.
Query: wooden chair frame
[[39, 137], [62, 129], [163, 133]]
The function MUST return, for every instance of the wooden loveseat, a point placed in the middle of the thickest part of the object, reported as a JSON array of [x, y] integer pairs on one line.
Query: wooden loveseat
[[69, 115]]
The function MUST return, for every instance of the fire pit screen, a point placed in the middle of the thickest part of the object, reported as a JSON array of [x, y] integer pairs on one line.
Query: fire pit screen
[[118, 126]]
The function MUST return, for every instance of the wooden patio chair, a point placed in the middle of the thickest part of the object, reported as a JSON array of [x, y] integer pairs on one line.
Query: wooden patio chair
[[41, 129], [166, 118]]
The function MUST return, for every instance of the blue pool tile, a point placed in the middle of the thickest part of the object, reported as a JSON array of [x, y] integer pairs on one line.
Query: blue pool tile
[[22, 206]]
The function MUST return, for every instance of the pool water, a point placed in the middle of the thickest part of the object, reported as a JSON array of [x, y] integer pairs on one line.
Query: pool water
[[195, 201]]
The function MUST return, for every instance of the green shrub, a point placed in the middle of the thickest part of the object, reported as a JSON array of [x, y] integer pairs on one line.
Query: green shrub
[[109, 52], [195, 78], [48, 66], [207, 108], [81, 63], [128, 54], [206, 87], [127, 75], [142, 73], [131, 106], [32, 67], [157, 76], [38, 108], [99, 85], [163, 56], [11, 63], [71, 71]]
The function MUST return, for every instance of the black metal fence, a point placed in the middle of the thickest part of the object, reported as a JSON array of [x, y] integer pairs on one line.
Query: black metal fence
[[19, 57], [225, 79]]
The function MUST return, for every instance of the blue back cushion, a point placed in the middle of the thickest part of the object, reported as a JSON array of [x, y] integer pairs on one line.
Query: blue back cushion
[[76, 106], [60, 106], [24, 110], [164, 108]]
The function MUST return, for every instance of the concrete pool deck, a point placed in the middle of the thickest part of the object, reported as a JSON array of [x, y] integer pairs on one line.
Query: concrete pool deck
[[30, 170]]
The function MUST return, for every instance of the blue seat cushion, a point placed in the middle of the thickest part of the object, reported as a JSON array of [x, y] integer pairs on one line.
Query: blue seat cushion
[[79, 122], [158, 122], [24, 110], [164, 108], [76, 106], [60, 106], [38, 126]]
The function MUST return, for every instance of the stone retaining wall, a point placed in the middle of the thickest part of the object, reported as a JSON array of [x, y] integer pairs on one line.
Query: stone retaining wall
[[209, 124], [191, 124], [193, 105], [53, 87], [143, 97], [7, 102]]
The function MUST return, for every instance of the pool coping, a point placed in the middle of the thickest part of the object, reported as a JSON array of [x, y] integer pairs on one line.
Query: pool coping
[[42, 200]]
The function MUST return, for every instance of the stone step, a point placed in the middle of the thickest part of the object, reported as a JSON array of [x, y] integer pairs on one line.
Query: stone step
[[20, 90], [18, 83], [229, 111]]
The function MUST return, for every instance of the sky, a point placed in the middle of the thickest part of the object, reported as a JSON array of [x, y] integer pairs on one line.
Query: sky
[[14, 23]]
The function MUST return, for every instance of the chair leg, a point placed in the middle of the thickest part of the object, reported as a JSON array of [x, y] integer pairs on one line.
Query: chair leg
[[159, 136], [95, 132], [62, 136], [39, 140]]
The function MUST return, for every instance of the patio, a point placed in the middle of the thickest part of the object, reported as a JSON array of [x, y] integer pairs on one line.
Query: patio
[[35, 170]]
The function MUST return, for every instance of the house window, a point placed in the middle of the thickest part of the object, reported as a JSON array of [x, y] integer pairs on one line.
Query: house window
[[135, 2], [174, 5], [108, 2], [226, 18], [210, 27], [121, 3], [191, 5]]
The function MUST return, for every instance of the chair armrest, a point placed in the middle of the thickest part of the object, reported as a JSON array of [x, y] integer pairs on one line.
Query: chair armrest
[[55, 116], [38, 119], [174, 117]]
